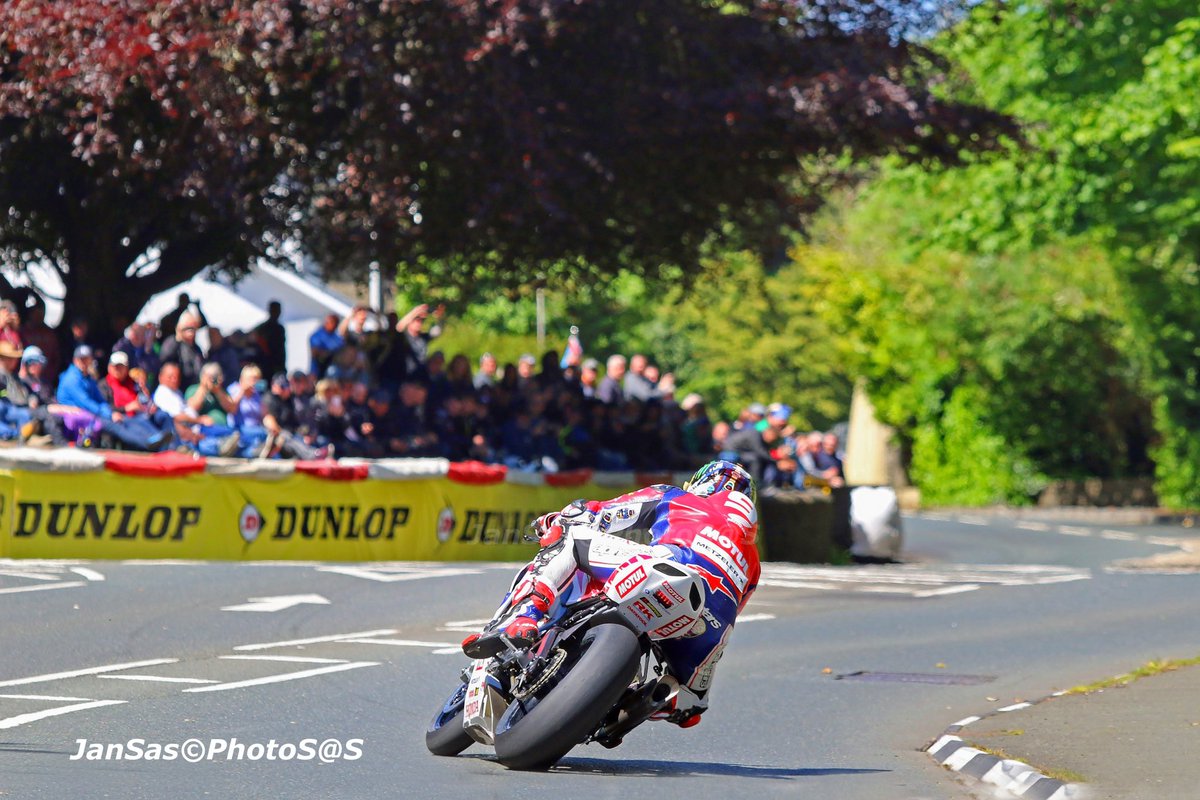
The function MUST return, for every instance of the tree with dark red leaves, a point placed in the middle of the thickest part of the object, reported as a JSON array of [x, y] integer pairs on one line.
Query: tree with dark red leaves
[[511, 141]]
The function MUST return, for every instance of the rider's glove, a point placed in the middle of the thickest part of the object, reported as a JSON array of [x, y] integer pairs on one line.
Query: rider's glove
[[547, 528]]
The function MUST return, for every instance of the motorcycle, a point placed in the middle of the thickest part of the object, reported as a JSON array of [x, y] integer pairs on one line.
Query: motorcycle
[[595, 673]]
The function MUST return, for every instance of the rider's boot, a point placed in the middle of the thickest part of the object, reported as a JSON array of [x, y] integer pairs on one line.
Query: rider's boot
[[521, 628]]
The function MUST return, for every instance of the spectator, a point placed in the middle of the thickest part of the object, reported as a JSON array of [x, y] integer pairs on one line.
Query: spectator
[[77, 388], [20, 408], [697, 431], [637, 386], [753, 448], [829, 462], [415, 436], [246, 416], [610, 391], [486, 376], [323, 344], [271, 338], [208, 397], [525, 374], [224, 351], [353, 329], [183, 349], [35, 332], [381, 439], [282, 422], [588, 375], [198, 432], [138, 347], [416, 340], [171, 321]]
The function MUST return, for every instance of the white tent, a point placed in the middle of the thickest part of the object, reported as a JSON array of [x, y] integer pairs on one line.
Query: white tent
[[230, 307]]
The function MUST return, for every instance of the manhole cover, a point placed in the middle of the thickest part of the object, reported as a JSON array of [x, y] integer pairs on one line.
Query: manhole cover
[[939, 678]]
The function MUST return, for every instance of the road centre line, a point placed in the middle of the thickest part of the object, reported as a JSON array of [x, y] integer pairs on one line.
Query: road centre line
[[1120, 536], [393, 576], [42, 587], [75, 673], [46, 697], [972, 520], [1164, 541], [965, 587], [157, 678], [754, 618], [1072, 531], [22, 719], [287, 676], [1033, 526], [289, 659], [318, 639]]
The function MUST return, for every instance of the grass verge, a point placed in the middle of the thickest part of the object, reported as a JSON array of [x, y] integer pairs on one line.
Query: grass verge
[[1148, 669]]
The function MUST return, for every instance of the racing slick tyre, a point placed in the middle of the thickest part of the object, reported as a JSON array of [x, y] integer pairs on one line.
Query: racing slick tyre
[[536, 735], [445, 736]]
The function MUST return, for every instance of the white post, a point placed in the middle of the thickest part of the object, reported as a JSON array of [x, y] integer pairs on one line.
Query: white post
[[541, 320], [375, 288]]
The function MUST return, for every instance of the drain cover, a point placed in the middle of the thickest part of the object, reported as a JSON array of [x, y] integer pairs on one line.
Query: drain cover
[[938, 678]]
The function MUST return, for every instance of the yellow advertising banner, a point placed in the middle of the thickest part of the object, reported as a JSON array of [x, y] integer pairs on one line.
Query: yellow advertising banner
[[106, 515]]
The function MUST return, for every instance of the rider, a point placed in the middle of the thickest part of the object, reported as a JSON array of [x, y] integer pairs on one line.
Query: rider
[[708, 526]]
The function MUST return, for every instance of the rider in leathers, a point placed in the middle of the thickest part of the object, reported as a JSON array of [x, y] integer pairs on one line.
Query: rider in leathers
[[708, 527]]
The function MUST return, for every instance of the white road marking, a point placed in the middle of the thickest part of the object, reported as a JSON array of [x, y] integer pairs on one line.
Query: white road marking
[[23, 719], [157, 678], [1068, 530], [289, 659], [967, 721], [287, 676], [90, 574], [973, 520], [1120, 536], [317, 639], [753, 618], [1015, 707], [1033, 526], [278, 603], [75, 673], [46, 697], [42, 587], [464, 625], [1163, 541], [393, 574], [966, 587], [164, 562], [401, 642], [36, 576]]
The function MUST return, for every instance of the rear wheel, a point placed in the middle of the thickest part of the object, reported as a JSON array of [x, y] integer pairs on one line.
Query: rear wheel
[[445, 736], [537, 732]]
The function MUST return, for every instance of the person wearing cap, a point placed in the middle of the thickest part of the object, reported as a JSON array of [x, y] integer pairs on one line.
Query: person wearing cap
[[77, 388], [33, 367], [132, 400], [589, 374], [15, 398], [486, 375]]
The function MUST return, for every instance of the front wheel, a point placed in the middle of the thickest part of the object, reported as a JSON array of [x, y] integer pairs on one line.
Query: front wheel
[[535, 736], [445, 736]]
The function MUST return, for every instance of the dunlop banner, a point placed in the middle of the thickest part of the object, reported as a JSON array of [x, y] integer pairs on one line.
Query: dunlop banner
[[201, 516]]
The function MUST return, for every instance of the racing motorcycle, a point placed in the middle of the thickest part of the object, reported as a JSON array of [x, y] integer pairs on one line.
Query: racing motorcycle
[[595, 673]]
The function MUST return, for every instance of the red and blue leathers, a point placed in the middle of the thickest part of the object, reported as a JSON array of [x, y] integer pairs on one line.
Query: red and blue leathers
[[713, 536]]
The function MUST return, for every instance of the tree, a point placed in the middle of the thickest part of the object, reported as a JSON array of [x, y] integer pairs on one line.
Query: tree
[[514, 142]]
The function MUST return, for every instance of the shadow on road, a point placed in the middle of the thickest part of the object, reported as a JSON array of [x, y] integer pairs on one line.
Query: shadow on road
[[653, 769]]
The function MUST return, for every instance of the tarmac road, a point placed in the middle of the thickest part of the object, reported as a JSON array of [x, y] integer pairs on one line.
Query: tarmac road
[[108, 652]]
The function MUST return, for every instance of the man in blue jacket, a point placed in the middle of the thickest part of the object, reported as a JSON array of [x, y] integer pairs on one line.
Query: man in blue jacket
[[78, 388]]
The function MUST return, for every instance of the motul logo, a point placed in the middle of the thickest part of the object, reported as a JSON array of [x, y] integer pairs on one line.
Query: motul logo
[[674, 627], [630, 582]]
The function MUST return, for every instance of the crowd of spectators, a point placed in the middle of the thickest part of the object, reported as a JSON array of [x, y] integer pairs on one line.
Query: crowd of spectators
[[375, 387]]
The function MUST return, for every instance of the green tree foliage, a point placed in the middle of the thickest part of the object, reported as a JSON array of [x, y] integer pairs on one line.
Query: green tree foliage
[[476, 142], [1000, 371], [1108, 162]]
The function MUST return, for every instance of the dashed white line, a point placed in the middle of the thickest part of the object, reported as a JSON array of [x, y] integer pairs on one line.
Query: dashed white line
[[34, 576], [157, 679], [287, 676], [401, 642], [967, 721], [42, 587], [52, 697], [973, 520], [1068, 530], [75, 673], [1033, 526], [318, 639], [394, 576], [22, 719], [1163, 541], [754, 618], [1015, 707], [1120, 536], [289, 659], [966, 587]]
